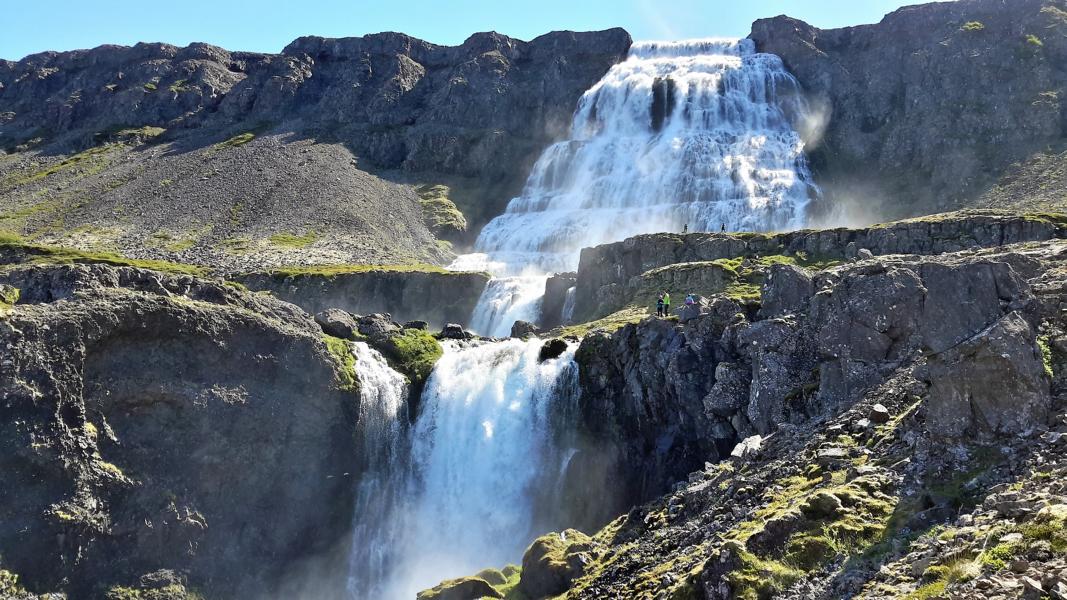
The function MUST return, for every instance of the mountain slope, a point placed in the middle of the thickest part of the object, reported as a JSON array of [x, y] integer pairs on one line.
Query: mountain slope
[[214, 152]]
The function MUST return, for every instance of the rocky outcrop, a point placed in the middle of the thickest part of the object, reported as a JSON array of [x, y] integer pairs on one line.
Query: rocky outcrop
[[435, 296], [319, 115], [156, 422], [882, 144], [673, 395], [604, 271]]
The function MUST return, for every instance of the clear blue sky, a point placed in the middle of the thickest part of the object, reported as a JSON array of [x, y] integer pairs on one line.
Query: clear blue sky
[[268, 25]]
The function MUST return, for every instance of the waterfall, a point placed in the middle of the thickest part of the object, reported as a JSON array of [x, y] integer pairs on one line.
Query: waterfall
[[696, 134], [381, 494], [481, 474], [507, 300], [570, 297]]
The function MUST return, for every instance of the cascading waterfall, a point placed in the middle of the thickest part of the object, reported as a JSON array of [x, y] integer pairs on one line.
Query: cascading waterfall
[[382, 494], [696, 134], [465, 496]]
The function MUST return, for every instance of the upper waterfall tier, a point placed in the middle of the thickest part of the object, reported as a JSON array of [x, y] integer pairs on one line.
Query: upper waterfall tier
[[696, 133]]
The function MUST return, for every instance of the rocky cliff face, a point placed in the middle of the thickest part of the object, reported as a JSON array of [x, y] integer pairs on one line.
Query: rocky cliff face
[[883, 427], [926, 110], [168, 432], [613, 275], [436, 297], [208, 156]]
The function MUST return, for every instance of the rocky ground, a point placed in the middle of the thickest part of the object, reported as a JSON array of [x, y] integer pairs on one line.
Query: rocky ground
[[352, 150], [884, 427]]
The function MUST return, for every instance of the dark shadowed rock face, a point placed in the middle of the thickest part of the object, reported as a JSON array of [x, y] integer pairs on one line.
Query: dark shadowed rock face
[[156, 422], [927, 108], [438, 298]]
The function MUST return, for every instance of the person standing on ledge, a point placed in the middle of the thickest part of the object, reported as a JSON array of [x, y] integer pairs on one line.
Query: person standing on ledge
[[659, 305], [666, 304], [685, 228], [723, 228]]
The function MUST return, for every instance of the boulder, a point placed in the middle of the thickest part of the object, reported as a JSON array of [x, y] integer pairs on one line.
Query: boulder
[[553, 348], [453, 331], [523, 329], [464, 588], [377, 326], [747, 448], [553, 562], [420, 325], [879, 414], [993, 383], [689, 312], [787, 289], [337, 323]]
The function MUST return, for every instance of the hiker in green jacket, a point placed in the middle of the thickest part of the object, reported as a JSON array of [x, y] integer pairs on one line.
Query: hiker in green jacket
[[666, 304]]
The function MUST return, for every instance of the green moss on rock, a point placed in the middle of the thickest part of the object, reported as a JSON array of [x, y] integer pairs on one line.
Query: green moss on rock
[[414, 352], [30, 253], [345, 362]]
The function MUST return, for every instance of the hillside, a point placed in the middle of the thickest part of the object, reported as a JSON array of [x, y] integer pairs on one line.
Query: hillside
[[308, 156]]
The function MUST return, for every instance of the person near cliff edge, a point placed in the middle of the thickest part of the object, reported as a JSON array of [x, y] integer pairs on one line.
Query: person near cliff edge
[[659, 305], [666, 304]]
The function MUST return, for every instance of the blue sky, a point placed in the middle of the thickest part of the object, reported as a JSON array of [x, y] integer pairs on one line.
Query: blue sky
[[268, 25]]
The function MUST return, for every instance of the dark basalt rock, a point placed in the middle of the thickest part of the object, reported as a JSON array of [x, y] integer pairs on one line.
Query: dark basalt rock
[[881, 132], [158, 422], [553, 348]]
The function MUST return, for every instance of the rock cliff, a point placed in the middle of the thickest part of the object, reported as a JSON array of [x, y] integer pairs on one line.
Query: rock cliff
[[309, 156], [926, 110], [437, 297], [163, 430]]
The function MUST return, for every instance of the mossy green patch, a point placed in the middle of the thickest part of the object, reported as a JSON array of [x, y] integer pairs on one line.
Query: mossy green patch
[[236, 141], [291, 240], [757, 578], [9, 585], [91, 161], [348, 269], [42, 254], [150, 87], [610, 323], [345, 363], [973, 26], [414, 352], [441, 214]]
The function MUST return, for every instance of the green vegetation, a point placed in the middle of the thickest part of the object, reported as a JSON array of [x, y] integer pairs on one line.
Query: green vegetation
[[92, 161], [414, 352], [9, 585], [756, 578], [8, 297], [973, 26], [236, 246], [179, 86], [236, 141], [171, 591], [345, 363], [1046, 354], [41, 254], [348, 269], [442, 216], [150, 87], [170, 243], [111, 469], [1033, 40], [290, 240], [610, 323]]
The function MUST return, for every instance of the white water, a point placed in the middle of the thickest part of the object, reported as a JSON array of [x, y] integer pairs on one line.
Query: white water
[[718, 149], [481, 476], [381, 496]]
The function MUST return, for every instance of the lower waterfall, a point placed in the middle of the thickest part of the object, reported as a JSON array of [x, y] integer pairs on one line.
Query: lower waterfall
[[473, 480]]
